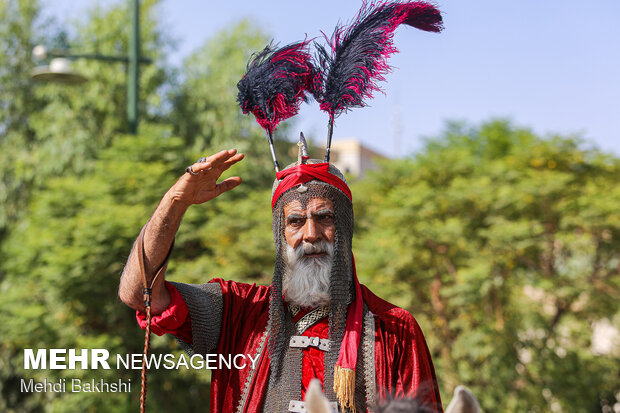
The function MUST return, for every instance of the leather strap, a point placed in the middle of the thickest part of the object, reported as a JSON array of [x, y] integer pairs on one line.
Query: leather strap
[[147, 292]]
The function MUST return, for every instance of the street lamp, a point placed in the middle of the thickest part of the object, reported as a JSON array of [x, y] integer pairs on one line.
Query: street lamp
[[59, 68]]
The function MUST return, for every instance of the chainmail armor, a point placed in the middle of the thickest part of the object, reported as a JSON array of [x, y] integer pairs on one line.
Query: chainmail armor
[[204, 302], [284, 383]]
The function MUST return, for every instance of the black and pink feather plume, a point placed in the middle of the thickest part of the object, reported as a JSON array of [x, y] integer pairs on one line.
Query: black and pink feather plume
[[275, 83], [347, 72], [357, 57]]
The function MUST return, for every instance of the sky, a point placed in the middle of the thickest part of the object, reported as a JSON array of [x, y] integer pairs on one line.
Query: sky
[[552, 66]]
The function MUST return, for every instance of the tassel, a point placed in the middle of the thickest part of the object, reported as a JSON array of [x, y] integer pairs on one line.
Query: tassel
[[344, 387]]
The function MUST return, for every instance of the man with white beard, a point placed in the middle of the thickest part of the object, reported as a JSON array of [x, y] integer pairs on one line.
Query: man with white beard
[[314, 321]]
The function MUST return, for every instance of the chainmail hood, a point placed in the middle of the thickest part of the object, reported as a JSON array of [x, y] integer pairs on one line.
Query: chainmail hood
[[341, 289]]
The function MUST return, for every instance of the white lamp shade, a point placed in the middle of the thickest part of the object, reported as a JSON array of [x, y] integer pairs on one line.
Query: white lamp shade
[[59, 70]]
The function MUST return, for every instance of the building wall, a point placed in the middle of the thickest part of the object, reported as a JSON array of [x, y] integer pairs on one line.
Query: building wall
[[353, 158]]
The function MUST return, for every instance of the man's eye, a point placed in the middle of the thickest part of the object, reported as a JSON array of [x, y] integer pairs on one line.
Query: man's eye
[[295, 222], [326, 218]]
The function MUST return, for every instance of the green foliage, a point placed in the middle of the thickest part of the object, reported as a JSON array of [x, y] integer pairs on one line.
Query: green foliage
[[17, 37], [229, 237], [63, 262], [506, 247]]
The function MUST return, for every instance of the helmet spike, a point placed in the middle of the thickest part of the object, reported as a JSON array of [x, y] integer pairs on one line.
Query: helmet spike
[[303, 148]]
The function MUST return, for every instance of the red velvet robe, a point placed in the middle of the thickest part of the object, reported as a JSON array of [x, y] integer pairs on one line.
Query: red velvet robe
[[402, 359]]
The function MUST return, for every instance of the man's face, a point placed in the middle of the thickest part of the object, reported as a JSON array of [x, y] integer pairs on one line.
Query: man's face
[[310, 225]]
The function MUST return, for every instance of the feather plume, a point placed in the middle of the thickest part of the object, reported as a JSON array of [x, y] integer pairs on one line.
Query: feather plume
[[275, 83], [357, 59]]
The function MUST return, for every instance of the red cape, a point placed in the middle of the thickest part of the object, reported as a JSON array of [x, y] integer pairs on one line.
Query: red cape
[[402, 359]]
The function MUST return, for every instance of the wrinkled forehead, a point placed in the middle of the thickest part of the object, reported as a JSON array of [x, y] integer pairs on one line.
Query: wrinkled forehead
[[314, 205]]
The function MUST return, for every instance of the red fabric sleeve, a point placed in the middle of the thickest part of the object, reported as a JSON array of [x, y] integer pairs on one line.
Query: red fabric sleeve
[[173, 320]]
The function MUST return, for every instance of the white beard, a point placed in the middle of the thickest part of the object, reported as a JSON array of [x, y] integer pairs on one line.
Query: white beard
[[306, 281]]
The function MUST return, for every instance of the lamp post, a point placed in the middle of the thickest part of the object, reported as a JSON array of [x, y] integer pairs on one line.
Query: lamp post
[[59, 69], [133, 74]]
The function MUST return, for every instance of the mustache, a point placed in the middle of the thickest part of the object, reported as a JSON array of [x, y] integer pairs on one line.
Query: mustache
[[302, 251], [316, 248]]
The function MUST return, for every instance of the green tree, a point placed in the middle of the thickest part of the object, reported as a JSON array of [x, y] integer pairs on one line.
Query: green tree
[[63, 261], [505, 246]]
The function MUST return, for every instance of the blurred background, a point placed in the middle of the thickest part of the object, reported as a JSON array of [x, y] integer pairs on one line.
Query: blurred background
[[485, 182]]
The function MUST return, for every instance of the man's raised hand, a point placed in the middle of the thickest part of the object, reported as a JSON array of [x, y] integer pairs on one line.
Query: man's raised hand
[[202, 186]]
